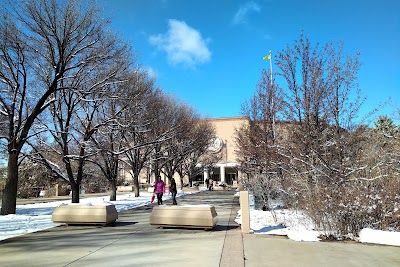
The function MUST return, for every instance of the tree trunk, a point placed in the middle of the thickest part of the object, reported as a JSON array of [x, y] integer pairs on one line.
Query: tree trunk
[[113, 193], [75, 193], [136, 184], [9, 201]]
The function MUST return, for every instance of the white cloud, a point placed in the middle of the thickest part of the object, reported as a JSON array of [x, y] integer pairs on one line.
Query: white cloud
[[183, 44], [244, 11]]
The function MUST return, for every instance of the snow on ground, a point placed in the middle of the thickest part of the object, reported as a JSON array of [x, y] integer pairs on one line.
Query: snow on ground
[[293, 224], [299, 227], [35, 217], [379, 237]]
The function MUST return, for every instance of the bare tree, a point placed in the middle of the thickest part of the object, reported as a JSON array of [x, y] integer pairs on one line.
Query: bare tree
[[186, 148], [194, 161], [107, 144], [76, 112], [164, 127], [319, 155], [107, 141], [176, 148], [17, 116], [45, 46], [319, 82], [378, 183], [257, 140], [323, 148], [140, 136]]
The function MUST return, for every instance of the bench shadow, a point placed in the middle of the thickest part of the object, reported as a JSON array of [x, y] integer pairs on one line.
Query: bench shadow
[[216, 228], [116, 224], [225, 227], [94, 225]]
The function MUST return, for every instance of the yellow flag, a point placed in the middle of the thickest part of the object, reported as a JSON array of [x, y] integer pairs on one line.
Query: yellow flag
[[267, 57]]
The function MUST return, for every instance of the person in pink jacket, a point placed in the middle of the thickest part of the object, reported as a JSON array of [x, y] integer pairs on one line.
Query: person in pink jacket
[[159, 189]]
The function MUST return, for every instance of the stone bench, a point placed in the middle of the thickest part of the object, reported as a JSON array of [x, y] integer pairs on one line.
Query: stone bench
[[125, 188], [76, 214], [222, 188], [190, 189], [190, 216]]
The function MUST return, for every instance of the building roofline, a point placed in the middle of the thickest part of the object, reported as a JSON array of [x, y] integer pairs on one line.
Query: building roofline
[[241, 118], [228, 118]]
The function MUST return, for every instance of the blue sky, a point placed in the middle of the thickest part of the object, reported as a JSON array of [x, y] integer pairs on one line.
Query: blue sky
[[209, 53]]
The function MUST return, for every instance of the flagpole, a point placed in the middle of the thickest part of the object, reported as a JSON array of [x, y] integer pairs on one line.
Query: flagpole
[[273, 97], [270, 64]]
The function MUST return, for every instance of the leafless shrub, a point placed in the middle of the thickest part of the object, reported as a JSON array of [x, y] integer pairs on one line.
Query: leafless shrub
[[342, 173]]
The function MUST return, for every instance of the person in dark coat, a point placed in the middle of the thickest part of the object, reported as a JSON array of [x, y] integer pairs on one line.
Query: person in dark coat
[[173, 190]]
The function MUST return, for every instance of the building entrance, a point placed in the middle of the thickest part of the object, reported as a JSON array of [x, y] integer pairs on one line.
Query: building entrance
[[226, 174]]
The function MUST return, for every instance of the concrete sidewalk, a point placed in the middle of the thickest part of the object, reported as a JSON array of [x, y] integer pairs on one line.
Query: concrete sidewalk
[[279, 251], [133, 242]]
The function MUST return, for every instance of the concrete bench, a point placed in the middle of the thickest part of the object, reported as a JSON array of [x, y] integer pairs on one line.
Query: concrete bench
[[222, 188], [76, 214], [125, 188], [190, 189], [190, 216]]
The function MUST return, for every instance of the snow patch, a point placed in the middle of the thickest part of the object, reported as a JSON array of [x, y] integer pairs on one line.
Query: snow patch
[[368, 235]]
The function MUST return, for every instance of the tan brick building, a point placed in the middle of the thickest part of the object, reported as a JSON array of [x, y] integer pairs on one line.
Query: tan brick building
[[224, 169]]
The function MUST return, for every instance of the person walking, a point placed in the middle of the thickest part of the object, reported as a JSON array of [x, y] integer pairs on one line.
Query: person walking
[[159, 189], [173, 190]]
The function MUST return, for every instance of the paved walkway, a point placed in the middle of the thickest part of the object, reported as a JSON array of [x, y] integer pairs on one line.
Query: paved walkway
[[133, 242]]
